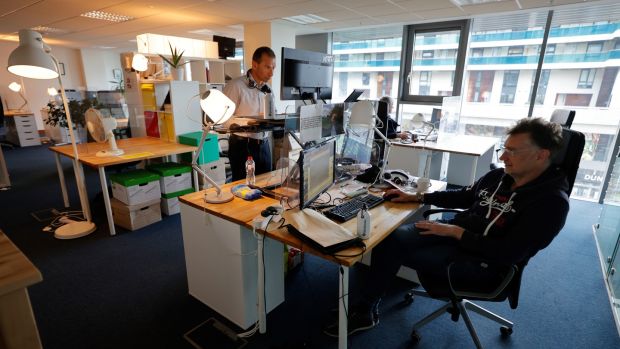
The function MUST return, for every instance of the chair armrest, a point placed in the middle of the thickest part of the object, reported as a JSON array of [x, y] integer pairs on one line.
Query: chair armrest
[[440, 210]]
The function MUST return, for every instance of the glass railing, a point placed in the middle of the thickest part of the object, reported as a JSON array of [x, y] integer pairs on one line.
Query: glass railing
[[370, 64], [370, 44]]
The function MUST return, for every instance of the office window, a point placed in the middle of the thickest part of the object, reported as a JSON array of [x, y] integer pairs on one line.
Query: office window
[[343, 79], [594, 47], [477, 52], [372, 65], [509, 86], [573, 99], [550, 49], [542, 86], [515, 50], [586, 78], [422, 54], [610, 74], [479, 86]]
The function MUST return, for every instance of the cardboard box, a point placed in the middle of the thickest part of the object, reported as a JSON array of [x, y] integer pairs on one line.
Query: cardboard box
[[135, 187], [216, 170], [133, 217], [170, 202], [173, 177]]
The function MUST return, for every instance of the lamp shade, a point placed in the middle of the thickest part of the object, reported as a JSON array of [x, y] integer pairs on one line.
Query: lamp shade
[[418, 121], [15, 87], [29, 59], [362, 114], [217, 106], [139, 62]]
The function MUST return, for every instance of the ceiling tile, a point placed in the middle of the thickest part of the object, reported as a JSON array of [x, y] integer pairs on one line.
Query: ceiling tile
[[446, 13], [493, 7], [424, 5], [379, 10]]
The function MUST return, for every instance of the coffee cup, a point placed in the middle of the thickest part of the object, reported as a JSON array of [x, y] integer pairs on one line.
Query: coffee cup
[[423, 184]]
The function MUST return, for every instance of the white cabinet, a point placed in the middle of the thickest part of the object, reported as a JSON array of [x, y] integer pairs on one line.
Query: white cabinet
[[22, 129], [222, 267]]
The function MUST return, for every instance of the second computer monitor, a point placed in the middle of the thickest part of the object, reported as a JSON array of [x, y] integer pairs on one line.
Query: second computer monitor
[[316, 171]]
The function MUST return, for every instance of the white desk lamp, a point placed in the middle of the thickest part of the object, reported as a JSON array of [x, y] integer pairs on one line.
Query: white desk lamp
[[140, 63], [32, 59], [417, 122], [218, 109], [363, 115], [19, 88]]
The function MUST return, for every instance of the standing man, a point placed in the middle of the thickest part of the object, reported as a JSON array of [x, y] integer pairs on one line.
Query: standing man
[[254, 100]]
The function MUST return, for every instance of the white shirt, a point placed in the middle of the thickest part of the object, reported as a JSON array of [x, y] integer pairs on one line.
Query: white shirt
[[249, 101]]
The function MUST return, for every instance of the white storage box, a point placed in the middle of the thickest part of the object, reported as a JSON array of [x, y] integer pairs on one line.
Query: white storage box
[[135, 187], [170, 202], [174, 177], [133, 217], [215, 170]]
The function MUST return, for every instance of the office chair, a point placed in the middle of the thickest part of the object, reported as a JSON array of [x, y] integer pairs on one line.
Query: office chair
[[458, 302], [564, 117]]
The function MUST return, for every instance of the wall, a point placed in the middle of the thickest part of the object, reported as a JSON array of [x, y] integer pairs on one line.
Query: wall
[[36, 90], [98, 69], [314, 42]]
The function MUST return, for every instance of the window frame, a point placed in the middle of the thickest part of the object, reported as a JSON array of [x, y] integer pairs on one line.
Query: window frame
[[409, 33]]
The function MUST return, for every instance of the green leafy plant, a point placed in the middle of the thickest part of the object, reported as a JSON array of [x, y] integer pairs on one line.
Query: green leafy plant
[[175, 57], [56, 115], [120, 85]]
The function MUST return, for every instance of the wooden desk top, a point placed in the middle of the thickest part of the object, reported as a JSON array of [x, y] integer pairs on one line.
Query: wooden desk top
[[12, 113], [385, 218], [139, 148], [458, 144], [16, 270]]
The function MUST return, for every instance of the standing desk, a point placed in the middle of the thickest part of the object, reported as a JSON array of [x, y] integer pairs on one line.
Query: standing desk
[[136, 149], [18, 328], [469, 155], [221, 269]]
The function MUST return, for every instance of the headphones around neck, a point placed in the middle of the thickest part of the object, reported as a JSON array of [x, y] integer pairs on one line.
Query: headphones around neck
[[252, 84]]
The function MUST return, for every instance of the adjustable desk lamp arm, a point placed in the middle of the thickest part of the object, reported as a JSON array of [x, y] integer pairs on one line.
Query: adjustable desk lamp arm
[[205, 132]]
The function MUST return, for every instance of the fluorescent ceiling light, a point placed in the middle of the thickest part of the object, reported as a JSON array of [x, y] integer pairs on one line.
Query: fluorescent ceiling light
[[44, 29], [472, 2], [306, 19], [107, 16], [202, 32]]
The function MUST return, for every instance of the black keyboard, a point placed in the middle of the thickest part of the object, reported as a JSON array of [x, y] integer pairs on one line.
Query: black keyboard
[[349, 209]]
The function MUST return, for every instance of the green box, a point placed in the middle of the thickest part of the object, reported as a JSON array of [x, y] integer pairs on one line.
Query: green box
[[210, 149], [128, 179], [168, 169]]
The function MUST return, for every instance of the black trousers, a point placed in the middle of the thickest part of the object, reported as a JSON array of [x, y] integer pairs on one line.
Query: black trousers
[[238, 150]]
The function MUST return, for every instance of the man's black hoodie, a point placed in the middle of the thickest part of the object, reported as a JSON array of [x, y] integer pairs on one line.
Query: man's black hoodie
[[503, 225]]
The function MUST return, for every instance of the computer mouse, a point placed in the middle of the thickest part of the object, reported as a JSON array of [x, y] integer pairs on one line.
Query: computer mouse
[[389, 197]]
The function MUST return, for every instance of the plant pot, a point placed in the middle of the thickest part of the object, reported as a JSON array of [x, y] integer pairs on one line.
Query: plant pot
[[178, 74]]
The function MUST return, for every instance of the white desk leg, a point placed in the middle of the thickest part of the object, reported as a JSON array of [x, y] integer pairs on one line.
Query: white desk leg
[[84, 196], [343, 304], [262, 317], [106, 200], [61, 177]]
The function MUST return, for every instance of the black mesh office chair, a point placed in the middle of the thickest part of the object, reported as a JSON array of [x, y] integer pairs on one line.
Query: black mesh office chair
[[459, 301], [564, 117]]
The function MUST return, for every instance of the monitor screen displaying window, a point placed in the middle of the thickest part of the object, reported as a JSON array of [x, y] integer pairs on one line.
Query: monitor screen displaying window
[[317, 171]]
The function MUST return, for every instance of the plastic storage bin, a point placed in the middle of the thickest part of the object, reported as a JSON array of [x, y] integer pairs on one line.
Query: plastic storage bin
[[135, 187]]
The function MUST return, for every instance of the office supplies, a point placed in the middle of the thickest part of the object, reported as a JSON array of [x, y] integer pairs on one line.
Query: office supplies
[[349, 209]]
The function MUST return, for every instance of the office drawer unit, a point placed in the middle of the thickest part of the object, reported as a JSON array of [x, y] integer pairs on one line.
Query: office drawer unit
[[22, 129]]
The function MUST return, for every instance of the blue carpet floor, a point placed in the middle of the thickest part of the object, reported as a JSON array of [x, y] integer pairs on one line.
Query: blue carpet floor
[[130, 291]]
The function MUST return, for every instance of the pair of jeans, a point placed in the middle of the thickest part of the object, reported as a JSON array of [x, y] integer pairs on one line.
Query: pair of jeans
[[239, 148]]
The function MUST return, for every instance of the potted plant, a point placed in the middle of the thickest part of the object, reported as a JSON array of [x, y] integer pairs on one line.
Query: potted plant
[[175, 62], [57, 118]]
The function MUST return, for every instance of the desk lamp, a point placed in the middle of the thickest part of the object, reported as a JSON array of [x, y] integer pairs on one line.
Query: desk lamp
[[363, 115], [19, 88], [140, 63], [214, 104], [419, 122], [32, 59]]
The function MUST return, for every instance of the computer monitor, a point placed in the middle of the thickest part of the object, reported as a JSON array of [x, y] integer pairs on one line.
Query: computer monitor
[[317, 173], [306, 75], [225, 46]]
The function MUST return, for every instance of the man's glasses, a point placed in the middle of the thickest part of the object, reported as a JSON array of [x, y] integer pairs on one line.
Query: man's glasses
[[513, 152]]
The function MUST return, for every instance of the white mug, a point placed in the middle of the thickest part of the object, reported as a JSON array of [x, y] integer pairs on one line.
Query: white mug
[[423, 184]]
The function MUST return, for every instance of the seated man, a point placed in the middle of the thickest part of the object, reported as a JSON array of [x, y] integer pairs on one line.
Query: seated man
[[511, 213]]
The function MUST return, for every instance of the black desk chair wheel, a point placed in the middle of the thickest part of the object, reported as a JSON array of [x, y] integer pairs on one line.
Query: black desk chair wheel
[[458, 301]]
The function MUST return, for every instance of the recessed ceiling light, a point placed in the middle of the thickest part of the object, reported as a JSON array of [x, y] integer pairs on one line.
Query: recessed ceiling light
[[306, 19], [107, 16], [202, 31], [43, 29], [472, 2]]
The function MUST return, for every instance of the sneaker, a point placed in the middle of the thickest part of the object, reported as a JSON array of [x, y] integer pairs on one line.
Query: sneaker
[[360, 319]]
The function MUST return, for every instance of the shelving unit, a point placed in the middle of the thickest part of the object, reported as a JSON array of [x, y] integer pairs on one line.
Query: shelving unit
[[217, 69]]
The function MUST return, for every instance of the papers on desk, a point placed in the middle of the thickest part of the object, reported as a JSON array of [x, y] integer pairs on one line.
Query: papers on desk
[[318, 231]]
